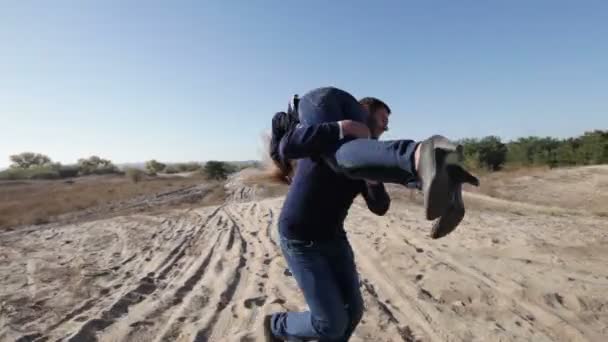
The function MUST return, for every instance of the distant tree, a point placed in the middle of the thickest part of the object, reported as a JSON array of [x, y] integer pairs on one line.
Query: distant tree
[[488, 152], [589, 148], [216, 170], [471, 152], [492, 152], [29, 159], [593, 148], [96, 165], [518, 154], [154, 167]]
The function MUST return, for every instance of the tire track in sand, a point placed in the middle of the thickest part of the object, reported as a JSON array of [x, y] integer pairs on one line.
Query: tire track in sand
[[199, 254], [239, 285], [504, 288], [405, 295], [146, 286], [184, 317]]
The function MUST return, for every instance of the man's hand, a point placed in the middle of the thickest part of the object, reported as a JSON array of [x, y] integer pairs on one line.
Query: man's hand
[[355, 129]]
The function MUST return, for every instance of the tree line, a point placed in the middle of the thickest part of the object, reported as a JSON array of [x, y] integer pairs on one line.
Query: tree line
[[480, 153], [30, 165], [492, 154]]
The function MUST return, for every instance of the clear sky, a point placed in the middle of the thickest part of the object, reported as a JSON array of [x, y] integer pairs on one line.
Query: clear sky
[[198, 80]]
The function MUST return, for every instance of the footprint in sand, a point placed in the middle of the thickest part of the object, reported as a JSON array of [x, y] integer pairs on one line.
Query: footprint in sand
[[552, 298], [257, 301], [141, 323], [426, 295], [31, 337], [278, 301]]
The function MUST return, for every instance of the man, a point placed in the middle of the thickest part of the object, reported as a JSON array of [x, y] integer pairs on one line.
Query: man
[[313, 239], [336, 162]]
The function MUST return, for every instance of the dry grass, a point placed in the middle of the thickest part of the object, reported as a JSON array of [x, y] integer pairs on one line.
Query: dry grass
[[38, 202], [525, 191], [555, 191], [577, 188]]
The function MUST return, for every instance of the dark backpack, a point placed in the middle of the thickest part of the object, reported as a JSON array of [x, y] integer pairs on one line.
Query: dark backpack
[[283, 122]]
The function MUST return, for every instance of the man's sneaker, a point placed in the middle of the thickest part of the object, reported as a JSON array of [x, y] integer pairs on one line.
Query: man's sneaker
[[433, 173], [268, 336], [454, 214]]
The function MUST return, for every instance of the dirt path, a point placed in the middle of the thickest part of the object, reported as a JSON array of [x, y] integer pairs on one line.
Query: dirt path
[[210, 274]]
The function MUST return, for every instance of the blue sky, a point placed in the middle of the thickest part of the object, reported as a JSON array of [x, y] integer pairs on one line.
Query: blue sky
[[199, 80]]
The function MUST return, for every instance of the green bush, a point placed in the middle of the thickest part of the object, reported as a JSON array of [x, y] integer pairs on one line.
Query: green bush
[[96, 166], [154, 167], [171, 170], [33, 172], [215, 170]]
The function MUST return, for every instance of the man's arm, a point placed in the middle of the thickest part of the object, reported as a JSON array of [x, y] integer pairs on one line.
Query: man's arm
[[308, 141], [376, 197]]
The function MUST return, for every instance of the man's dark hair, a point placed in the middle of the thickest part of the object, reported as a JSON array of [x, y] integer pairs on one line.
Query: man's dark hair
[[373, 104]]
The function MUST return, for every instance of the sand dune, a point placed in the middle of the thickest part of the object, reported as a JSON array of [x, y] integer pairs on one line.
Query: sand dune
[[209, 274]]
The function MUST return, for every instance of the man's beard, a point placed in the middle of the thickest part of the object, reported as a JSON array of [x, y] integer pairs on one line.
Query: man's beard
[[374, 127]]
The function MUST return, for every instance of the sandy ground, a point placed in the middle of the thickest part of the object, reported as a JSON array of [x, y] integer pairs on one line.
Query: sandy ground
[[578, 188], [211, 273]]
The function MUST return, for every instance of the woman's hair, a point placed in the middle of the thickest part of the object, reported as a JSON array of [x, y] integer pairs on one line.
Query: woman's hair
[[270, 170]]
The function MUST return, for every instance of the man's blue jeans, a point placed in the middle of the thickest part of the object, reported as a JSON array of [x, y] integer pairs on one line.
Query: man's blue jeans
[[326, 273], [383, 161]]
